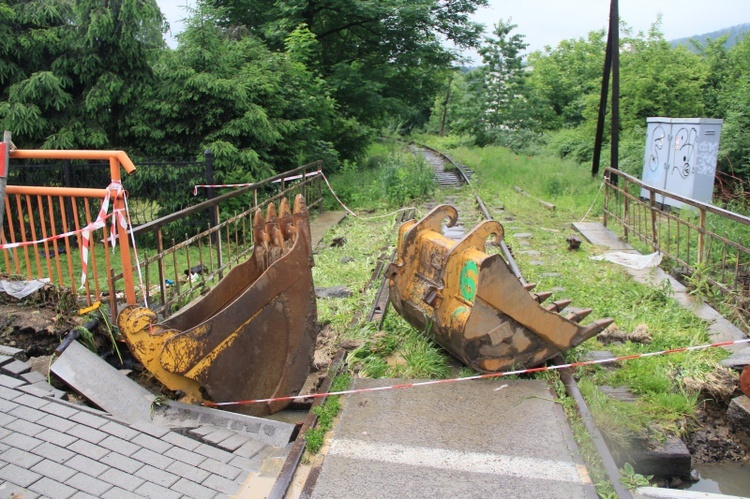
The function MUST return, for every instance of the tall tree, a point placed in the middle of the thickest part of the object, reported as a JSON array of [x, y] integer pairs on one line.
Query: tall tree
[[70, 70], [496, 102], [379, 57], [257, 110], [564, 76]]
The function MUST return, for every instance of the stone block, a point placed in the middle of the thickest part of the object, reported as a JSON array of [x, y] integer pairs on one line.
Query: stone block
[[51, 488], [118, 493], [86, 465], [88, 484], [15, 368], [56, 423], [121, 479], [18, 475], [20, 458], [149, 489], [185, 456], [119, 430], [53, 470], [122, 463], [32, 377], [152, 458], [192, 489], [89, 450], [42, 389], [151, 443], [119, 445], [157, 476], [10, 351], [9, 381], [738, 414], [56, 437], [53, 452], [670, 459], [217, 468]]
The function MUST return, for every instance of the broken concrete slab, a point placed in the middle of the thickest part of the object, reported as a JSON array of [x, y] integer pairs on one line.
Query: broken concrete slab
[[738, 414], [10, 351], [268, 431], [126, 400], [672, 458], [738, 360], [15, 368], [103, 385], [598, 235]]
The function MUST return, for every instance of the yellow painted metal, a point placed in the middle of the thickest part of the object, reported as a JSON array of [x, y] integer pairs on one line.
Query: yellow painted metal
[[471, 303], [250, 337]]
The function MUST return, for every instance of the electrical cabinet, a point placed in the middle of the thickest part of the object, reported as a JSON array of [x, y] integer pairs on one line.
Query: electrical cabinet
[[680, 158]]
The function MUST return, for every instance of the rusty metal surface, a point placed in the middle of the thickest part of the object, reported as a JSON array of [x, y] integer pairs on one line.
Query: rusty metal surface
[[253, 335], [471, 303]]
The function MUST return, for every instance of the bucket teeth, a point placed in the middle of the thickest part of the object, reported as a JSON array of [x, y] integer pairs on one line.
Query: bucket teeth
[[579, 315], [252, 336], [529, 286], [593, 329], [558, 305], [472, 303], [542, 297]]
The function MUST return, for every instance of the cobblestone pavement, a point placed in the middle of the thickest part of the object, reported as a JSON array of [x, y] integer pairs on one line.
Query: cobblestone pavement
[[52, 448]]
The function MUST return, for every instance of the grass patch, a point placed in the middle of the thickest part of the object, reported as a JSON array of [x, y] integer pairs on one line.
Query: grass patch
[[326, 412], [665, 405]]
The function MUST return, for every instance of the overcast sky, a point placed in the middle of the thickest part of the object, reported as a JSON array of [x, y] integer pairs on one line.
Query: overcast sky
[[547, 22]]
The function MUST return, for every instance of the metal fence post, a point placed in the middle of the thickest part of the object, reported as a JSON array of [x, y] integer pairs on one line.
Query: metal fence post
[[701, 235], [606, 197], [4, 164], [652, 206]]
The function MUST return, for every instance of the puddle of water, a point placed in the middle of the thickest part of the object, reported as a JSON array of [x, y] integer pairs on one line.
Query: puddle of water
[[723, 478]]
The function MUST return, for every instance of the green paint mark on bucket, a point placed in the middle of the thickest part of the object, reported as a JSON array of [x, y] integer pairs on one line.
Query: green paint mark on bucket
[[468, 281]]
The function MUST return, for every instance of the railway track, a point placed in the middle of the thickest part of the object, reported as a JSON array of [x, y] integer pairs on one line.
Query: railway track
[[449, 176]]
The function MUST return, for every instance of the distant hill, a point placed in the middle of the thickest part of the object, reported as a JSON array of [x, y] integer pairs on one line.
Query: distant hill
[[736, 33]]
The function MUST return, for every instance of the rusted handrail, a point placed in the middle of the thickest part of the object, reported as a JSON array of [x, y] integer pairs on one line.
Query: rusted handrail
[[216, 248], [688, 236]]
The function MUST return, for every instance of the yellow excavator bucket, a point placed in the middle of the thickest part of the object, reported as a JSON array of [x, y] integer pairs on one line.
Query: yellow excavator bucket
[[253, 335], [472, 304]]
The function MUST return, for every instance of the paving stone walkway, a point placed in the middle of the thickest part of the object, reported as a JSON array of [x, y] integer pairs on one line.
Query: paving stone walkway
[[52, 448]]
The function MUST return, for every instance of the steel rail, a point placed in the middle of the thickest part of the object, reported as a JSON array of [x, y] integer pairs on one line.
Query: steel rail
[[571, 386]]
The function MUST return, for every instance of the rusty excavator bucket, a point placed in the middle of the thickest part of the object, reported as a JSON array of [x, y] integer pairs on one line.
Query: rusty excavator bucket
[[253, 335], [472, 304]]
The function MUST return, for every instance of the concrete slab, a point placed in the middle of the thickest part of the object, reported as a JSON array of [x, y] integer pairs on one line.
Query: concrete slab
[[738, 360], [720, 328], [598, 235], [494, 438], [103, 384], [322, 223]]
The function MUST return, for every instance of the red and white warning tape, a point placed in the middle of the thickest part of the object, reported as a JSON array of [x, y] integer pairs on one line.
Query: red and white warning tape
[[479, 376], [100, 222], [119, 216]]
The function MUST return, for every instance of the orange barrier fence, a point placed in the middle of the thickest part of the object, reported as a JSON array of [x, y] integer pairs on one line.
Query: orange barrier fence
[[45, 229]]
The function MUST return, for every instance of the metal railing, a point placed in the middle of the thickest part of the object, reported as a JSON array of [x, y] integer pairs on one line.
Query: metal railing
[[176, 271], [37, 213], [172, 271], [709, 243]]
